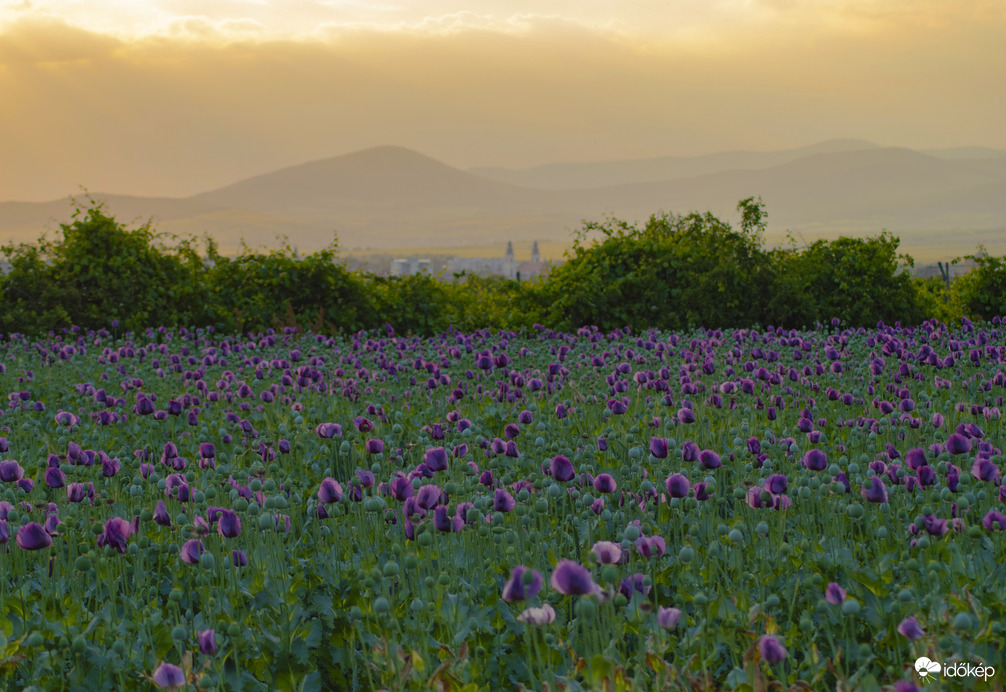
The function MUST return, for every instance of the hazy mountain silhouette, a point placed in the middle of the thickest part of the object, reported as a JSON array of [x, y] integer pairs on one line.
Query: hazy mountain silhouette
[[392, 197], [567, 176]]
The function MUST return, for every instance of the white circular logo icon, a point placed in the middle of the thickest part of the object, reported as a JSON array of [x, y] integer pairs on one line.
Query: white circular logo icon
[[924, 667]]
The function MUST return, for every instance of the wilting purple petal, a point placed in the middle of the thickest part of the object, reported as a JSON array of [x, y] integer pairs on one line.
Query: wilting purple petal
[[521, 588], [572, 579], [772, 650], [834, 594], [910, 629], [169, 675], [208, 642], [33, 536], [668, 618]]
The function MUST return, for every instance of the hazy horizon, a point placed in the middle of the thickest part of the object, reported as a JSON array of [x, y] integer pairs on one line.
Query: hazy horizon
[[172, 98]]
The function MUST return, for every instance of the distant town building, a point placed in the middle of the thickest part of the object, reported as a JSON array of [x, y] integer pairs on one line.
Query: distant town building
[[507, 266], [411, 267]]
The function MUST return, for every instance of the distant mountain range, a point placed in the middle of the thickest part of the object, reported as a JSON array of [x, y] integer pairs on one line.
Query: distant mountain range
[[391, 197]]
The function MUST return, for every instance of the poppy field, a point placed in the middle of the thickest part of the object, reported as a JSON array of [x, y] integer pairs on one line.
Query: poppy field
[[729, 509]]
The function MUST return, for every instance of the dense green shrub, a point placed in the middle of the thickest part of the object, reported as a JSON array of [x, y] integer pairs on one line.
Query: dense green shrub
[[854, 279], [98, 271], [981, 292], [279, 288], [675, 272]]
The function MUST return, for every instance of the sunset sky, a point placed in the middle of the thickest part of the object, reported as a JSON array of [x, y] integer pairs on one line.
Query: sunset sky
[[174, 97]]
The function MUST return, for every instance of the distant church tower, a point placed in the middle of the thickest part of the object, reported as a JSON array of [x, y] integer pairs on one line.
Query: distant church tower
[[535, 255], [509, 265]]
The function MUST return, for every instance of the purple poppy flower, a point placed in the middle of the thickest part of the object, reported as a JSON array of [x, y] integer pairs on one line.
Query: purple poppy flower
[[33, 536], [877, 492], [239, 558], [10, 471], [329, 491], [117, 532], [686, 415], [572, 579], [54, 477], [429, 496], [520, 587], [436, 458], [362, 424], [367, 478], [709, 459], [689, 451], [985, 470], [776, 483], [958, 444], [109, 467], [78, 492], [701, 490], [561, 469], [834, 594], [668, 618], [910, 629], [926, 475], [607, 553], [815, 460], [328, 430], [772, 650], [161, 515], [560, 411], [400, 487], [604, 483], [658, 447], [191, 550], [503, 501], [442, 521], [229, 524], [651, 546], [677, 485], [537, 616], [905, 686], [168, 675], [994, 521], [632, 584], [144, 406], [602, 444], [375, 446], [914, 458], [934, 526], [207, 642]]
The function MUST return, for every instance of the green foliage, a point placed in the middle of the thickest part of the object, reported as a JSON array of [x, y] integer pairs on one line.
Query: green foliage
[[99, 271], [675, 272], [981, 292], [279, 288], [854, 279]]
